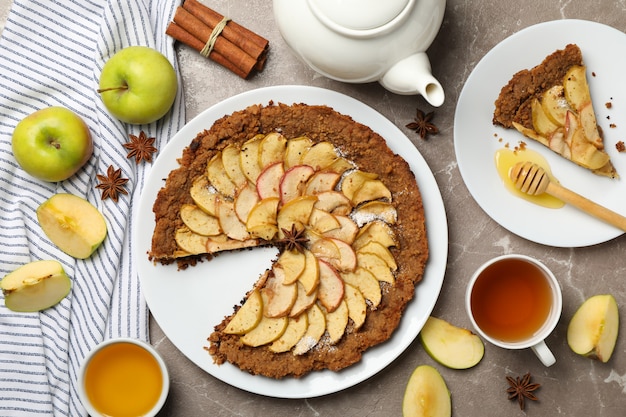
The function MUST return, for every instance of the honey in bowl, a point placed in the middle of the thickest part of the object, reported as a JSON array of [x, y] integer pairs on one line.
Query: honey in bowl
[[511, 300], [123, 379]]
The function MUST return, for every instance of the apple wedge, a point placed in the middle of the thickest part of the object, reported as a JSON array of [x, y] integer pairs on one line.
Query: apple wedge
[[451, 346], [330, 291], [246, 198], [295, 213], [218, 178], [264, 212], [322, 181], [229, 222], [203, 196], [366, 283], [294, 181], [333, 202], [198, 221], [280, 296], [346, 232], [357, 306], [232, 166], [354, 181], [73, 224], [295, 331], [248, 316], [592, 331], [381, 251], [314, 331], [266, 331], [310, 276], [249, 158], [375, 231], [293, 263], [426, 394], [35, 286], [376, 265], [268, 182], [303, 301], [296, 147], [320, 155], [336, 322], [371, 190], [272, 149], [322, 221]]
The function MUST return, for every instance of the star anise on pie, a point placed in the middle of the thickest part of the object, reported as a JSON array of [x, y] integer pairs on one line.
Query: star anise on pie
[[422, 124], [112, 184], [521, 389], [294, 239], [140, 147]]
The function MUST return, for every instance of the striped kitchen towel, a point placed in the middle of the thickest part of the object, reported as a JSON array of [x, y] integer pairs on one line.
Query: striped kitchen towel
[[52, 53]]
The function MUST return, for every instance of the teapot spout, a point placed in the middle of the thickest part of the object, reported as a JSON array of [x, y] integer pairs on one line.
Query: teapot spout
[[412, 75]]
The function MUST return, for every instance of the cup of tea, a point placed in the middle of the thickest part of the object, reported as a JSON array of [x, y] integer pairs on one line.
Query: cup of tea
[[515, 302], [123, 377]]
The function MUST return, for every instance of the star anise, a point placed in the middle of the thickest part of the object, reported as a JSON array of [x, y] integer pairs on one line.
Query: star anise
[[423, 125], [521, 388], [294, 239], [112, 184], [140, 147]]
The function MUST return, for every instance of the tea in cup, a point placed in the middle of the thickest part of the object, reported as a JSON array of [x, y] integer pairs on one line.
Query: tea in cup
[[124, 378], [514, 302]]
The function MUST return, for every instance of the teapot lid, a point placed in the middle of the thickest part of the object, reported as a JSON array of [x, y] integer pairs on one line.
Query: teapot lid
[[360, 17]]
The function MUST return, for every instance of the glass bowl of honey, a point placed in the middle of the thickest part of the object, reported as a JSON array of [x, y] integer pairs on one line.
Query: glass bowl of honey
[[123, 377]]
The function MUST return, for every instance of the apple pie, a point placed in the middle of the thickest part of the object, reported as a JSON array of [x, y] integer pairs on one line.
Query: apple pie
[[551, 104], [343, 209]]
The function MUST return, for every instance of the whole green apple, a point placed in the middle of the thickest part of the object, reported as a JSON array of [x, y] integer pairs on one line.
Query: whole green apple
[[138, 85], [52, 144]]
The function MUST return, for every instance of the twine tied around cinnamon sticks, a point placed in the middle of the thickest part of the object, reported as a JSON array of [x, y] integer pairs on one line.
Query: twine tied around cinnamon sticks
[[218, 38]]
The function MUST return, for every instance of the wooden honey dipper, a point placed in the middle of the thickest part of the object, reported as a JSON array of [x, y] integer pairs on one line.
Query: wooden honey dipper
[[532, 179]]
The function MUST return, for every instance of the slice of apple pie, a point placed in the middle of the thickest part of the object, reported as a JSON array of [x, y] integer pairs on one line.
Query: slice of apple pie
[[551, 104], [344, 211]]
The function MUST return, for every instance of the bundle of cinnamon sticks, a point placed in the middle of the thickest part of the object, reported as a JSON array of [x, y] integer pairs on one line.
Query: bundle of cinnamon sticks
[[219, 39]]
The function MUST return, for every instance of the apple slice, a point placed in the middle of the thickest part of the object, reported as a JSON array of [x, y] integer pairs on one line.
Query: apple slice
[[249, 158], [222, 243], [268, 183], [346, 232], [218, 178], [73, 224], [264, 212], [554, 105], [355, 180], [451, 346], [303, 301], [310, 276], [295, 213], [426, 394], [232, 166], [375, 231], [376, 265], [246, 198], [320, 155], [330, 291], [35, 286], [248, 316], [203, 196], [198, 221], [376, 210], [334, 202], [268, 330], [272, 149], [314, 332], [322, 221], [322, 181], [190, 242], [364, 281], [336, 322], [340, 165], [280, 296], [324, 249], [381, 251], [541, 122], [357, 307], [229, 222], [293, 263], [295, 331], [347, 260], [592, 331], [296, 147], [371, 190], [294, 182]]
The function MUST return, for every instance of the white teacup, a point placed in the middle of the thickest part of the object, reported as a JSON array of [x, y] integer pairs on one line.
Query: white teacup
[[515, 302], [123, 376]]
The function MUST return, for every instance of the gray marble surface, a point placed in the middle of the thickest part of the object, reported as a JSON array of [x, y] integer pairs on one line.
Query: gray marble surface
[[574, 386]]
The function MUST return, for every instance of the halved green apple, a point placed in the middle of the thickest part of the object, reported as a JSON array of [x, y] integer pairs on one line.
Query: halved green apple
[[426, 394], [451, 346], [73, 224], [35, 286], [592, 331]]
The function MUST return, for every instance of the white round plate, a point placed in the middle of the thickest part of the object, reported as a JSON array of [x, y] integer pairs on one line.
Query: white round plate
[[188, 304], [476, 139]]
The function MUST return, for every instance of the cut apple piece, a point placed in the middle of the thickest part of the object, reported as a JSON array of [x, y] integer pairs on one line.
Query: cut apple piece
[[295, 213], [280, 296], [303, 301], [190, 242], [296, 148], [295, 331], [355, 180], [357, 307], [232, 166], [314, 331], [592, 331], [376, 265], [294, 181], [375, 210], [320, 155], [541, 122], [347, 260], [249, 158], [203, 196], [222, 243], [263, 231], [198, 221], [375, 231], [554, 105], [35, 286], [333, 202], [268, 183], [246, 198], [330, 291], [264, 212], [340, 165], [381, 251], [310, 276], [266, 331], [322, 221], [575, 87], [322, 181], [324, 249], [451, 346], [346, 232], [229, 222], [248, 316], [272, 149], [336, 322], [371, 190], [293, 263], [426, 394], [364, 281], [73, 224], [218, 178]]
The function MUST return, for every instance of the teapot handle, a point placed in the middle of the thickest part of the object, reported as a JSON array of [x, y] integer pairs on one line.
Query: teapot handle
[[412, 75]]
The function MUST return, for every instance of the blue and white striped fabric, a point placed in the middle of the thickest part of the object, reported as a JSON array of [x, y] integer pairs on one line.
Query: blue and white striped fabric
[[51, 53]]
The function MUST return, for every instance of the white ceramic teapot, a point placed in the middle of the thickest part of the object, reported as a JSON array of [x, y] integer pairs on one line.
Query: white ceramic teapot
[[359, 41]]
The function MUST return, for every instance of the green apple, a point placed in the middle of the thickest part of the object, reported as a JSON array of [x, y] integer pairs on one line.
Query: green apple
[[451, 346], [426, 394], [73, 224], [52, 144], [138, 85], [592, 331], [35, 286]]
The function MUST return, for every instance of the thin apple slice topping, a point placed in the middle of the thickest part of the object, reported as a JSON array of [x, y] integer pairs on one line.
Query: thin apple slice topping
[[268, 183], [346, 232], [310, 276], [296, 148], [263, 231], [381, 251], [371, 190], [375, 210], [246, 198], [218, 178], [266, 331], [340, 165], [198, 221], [324, 249], [280, 296], [35, 286], [314, 331], [336, 322], [357, 307], [322, 221], [293, 263], [303, 301], [376, 265], [295, 331], [330, 291], [334, 202], [554, 105], [322, 181], [230, 223], [232, 166], [264, 212], [248, 316], [272, 149], [295, 213], [224, 243], [249, 158], [355, 180], [294, 182], [190, 242], [375, 231], [203, 196], [541, 122], [320, 155], [347, 260], [364, 281]]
